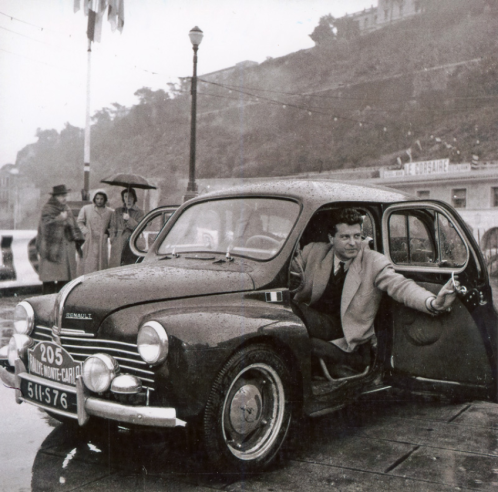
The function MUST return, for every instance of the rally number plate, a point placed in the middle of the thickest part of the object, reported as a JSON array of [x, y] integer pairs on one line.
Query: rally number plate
[[53, 362], [48, 397]]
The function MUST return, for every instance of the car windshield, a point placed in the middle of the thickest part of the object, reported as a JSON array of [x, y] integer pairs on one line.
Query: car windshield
[[252, 227]]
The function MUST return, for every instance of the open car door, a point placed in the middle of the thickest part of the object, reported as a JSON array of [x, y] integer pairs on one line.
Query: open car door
[[455, 352]]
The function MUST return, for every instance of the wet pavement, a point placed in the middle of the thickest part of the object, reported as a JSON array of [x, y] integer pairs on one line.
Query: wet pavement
[[384, 443]]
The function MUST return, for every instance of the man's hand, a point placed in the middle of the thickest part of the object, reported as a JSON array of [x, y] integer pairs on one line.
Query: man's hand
[[64, 215], [126, 217], [446, 295]]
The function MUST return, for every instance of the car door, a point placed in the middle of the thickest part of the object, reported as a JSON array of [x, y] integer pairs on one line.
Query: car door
[[454, 352]]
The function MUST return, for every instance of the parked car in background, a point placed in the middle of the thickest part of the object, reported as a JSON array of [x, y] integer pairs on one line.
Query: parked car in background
[[203, 332], [18, 261]]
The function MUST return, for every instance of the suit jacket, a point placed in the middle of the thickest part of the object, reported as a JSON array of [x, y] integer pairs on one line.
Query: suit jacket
[[369, 275]]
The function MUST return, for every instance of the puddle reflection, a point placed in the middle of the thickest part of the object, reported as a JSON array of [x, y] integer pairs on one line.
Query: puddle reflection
[[71, 457]]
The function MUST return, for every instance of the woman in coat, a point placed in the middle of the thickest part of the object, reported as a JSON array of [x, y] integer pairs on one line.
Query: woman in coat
[[123, 222], [94, 221], [55, 242]]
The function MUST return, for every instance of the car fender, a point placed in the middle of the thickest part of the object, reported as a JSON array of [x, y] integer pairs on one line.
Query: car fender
[[203, 337]]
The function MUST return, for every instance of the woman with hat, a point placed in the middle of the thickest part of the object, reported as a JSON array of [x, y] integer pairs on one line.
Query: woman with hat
[[94, 221], [123, 222], [55, 242]]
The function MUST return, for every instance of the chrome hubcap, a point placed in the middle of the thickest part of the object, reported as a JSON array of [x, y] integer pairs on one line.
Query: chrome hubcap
[[253, 411]]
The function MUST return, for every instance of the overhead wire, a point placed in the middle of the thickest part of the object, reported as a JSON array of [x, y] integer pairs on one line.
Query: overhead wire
[[256, 97]]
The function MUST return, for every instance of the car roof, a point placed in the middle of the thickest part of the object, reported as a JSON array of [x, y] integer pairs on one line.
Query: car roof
[[315, 191]]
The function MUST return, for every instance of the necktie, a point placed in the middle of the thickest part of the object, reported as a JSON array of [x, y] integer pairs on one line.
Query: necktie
[[340, 270]]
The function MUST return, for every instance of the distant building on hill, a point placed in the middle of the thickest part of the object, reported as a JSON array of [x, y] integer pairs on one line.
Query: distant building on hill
[[387, 12]]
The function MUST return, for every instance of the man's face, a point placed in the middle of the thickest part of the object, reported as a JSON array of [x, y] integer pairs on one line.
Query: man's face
[[128, 199], [61, 199], [347, 241], [99, 201]]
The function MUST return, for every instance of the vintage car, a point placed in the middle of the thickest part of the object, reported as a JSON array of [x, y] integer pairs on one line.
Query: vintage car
[[204, 332]]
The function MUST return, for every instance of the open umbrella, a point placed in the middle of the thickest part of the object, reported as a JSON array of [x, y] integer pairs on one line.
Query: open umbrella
[[128, 180]]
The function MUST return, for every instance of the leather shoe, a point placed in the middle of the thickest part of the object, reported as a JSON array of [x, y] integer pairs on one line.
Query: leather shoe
[[338, 371]]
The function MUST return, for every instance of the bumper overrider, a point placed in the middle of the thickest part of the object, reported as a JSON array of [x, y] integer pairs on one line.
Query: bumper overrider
[[86, 404]]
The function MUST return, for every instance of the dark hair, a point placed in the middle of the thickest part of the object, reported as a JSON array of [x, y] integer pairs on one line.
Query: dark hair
[[100, 193], [131, 191], [349, 216]]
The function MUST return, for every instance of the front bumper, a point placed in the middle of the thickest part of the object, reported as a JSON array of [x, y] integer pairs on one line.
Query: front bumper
[[88, 405]]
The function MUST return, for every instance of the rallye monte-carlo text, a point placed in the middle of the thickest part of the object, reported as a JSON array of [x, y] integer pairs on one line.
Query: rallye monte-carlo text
[[203, 331]]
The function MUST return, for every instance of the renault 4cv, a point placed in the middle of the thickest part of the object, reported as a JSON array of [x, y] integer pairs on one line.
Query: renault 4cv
[[203, 332]]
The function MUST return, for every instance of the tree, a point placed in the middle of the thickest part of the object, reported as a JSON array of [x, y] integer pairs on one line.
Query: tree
[[325, 33]]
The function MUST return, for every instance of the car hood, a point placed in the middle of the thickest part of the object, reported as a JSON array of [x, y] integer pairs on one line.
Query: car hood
[[105, 292]]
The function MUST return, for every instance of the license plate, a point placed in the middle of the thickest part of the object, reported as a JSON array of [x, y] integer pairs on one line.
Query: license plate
[[47, 396], [51, 361]]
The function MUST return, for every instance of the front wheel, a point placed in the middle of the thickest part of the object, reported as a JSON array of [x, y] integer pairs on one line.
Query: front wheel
[[247, 415]]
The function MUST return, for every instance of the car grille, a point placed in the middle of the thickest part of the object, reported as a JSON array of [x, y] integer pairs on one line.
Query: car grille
[[83, 345], [42, 334]]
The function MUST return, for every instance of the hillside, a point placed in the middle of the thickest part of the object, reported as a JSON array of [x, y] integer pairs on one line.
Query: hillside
[[428, 85]]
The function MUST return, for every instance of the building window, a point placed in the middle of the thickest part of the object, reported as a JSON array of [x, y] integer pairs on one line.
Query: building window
[[386, 14], [459, 197], [494, 197], [424, 194]]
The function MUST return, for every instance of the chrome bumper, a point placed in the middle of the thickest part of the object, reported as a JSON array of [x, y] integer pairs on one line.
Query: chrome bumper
[[90, 406]]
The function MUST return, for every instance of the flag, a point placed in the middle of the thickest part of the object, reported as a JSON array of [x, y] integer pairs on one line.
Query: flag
[[116, 14], [409, 153], [96, 10], [418, 144], [90, 30]]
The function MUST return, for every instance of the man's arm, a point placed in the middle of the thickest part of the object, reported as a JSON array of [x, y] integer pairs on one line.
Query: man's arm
[[409, 293]]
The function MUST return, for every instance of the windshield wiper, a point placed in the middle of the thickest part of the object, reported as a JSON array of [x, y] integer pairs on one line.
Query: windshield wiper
[[227, 257], [199, 257]]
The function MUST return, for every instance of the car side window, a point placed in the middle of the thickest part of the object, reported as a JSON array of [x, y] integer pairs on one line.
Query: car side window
[[452, 247], [409, 240], [424, 238]]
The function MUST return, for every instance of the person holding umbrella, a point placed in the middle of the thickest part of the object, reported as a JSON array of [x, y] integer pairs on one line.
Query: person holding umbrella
[[123, 222]]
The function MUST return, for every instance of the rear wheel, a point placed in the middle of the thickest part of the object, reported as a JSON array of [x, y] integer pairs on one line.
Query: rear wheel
[[248, 414]]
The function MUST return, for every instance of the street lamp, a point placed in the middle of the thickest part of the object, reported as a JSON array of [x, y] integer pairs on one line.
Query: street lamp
[[195, 36]]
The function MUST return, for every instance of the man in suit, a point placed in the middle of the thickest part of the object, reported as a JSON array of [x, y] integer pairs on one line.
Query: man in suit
[[341, 287]]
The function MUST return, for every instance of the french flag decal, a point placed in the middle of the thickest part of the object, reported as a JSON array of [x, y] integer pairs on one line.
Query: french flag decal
[[273, 296]]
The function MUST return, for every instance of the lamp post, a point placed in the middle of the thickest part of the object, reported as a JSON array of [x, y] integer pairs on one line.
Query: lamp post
[[195, 36]]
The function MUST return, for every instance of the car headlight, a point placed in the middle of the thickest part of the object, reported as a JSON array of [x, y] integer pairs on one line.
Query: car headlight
[[98, 372], [24, 318], [153, 344], [18, 345]]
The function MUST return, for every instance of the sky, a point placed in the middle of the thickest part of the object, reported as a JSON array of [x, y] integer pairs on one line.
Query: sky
[[43, 53]]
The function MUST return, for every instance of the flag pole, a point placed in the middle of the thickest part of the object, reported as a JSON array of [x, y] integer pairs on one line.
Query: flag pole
[[85, 192]]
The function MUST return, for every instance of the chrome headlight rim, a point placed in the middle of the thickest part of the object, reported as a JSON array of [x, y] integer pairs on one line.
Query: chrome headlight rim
[[110, 369], [162, 343], [18, 346], [30, 318]]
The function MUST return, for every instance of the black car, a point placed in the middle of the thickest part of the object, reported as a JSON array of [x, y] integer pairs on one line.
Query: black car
[[203, 332]]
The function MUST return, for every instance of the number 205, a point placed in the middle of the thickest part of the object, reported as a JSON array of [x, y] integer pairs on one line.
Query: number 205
[[48, 354]]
